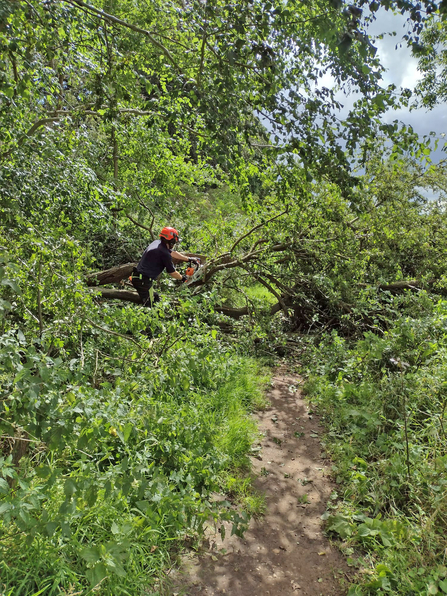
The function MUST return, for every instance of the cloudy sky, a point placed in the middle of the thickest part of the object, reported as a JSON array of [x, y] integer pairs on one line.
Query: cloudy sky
[[401, 69]]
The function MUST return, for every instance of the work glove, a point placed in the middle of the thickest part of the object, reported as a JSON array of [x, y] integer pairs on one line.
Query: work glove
[[195, 260], [184, 278]]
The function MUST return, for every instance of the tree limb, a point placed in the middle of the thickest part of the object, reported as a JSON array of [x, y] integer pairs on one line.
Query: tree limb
[[256, 228], [153, 217], [128, 296], [110, 276], [272, 291], [238, 262], [140, 225]]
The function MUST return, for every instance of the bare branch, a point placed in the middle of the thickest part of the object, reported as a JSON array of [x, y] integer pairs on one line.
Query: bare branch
[[136, 112], [140, 225], [272, 291], [153, 217], [256, 228]]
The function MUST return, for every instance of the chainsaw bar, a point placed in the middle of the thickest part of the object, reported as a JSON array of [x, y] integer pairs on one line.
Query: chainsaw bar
[[199, 272]]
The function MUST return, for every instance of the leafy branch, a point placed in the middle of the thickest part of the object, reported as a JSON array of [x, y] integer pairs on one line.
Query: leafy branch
[[113, 19]]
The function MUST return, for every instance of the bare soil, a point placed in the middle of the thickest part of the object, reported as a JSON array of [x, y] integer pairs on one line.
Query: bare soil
[[284, 552]]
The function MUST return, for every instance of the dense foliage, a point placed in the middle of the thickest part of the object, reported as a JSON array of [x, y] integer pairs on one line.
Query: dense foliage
[[387, 394], [120, 424]]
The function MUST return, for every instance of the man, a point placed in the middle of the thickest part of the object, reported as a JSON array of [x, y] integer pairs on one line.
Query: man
[[156, 258]]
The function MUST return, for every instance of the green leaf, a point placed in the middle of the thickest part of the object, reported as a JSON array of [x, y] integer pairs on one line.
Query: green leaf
[[115, 528], [127, 430], [4, 486], [143, 505], [97, 574], [4, 507], [91, 554], [12, 284], [51, 527], [354, 591], [69, 487], [363, 531], [443, 585], [340, 526]]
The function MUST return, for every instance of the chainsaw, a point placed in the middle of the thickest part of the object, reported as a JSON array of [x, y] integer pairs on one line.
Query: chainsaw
[[194, 271]]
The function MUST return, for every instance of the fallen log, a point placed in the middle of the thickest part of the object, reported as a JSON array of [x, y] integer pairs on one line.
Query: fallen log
[[132, 296], [110, 276]]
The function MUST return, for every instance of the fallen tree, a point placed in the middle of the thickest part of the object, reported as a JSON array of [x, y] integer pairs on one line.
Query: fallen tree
[[132, 296]]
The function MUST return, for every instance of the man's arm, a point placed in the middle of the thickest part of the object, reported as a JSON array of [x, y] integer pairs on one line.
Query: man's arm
[[181, 257], [176, 275]]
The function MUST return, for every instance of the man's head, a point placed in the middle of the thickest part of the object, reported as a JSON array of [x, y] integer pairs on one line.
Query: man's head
[[170, 236]]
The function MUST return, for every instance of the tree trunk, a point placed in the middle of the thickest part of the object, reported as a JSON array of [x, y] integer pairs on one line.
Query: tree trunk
[[110, 276]]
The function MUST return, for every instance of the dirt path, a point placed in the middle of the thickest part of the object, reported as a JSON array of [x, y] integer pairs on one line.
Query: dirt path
[[283, 553]]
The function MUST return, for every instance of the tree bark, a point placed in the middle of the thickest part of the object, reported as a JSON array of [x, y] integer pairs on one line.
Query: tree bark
[[131, 296], [110, 276]]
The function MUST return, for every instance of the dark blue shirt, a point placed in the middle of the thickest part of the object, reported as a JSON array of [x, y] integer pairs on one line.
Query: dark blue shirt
[[155, 259]]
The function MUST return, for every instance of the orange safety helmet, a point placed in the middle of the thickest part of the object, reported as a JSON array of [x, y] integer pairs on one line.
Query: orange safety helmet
[[169, 234]]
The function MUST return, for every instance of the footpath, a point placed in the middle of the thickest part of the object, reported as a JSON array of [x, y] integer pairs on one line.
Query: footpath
[[283, 553]]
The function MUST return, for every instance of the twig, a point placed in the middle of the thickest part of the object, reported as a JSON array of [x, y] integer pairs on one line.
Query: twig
[[114, 333], [140, 225], [257, 228], [165, 348], [153, 216], [21, 439]]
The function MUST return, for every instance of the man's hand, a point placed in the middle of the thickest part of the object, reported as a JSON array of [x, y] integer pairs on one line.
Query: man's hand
[[184, 278], [195, 260]]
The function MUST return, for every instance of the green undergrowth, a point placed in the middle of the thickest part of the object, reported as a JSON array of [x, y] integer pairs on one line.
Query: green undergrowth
[[384, 400], [128, 438], [256, 296]]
